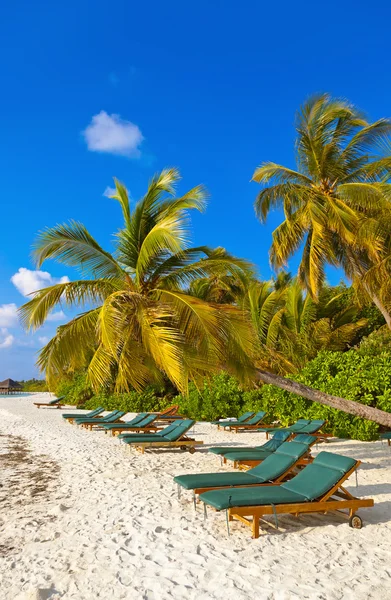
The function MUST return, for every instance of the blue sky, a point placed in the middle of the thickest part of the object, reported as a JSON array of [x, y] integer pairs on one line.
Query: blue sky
[[210, 87]]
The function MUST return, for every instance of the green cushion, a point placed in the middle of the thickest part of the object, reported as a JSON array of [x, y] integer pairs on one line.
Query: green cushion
[[320, 476], [386, 435], [56, 400], [242, 418], [135, 423], [279, 462], [89, 415], [313, 427], [132, 423], [204, 480], [305, 438], [269, 447], [251, 454], [181, 428], [257, 418], [113, 416], [268, 494], [300, 423], [294, 449]]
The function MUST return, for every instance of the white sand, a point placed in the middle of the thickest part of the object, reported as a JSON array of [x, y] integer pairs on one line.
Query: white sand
[[82, 518]]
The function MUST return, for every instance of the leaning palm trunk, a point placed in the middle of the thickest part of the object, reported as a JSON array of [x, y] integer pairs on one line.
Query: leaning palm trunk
[[379, 305], [348, 406]]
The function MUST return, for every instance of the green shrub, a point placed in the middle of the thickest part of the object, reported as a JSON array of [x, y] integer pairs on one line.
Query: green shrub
[[34, 385], [75, 388], [353, 375], [146, 401], [219, 397]]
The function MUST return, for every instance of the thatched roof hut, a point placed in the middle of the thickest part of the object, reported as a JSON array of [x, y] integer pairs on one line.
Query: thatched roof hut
[[9, 386]]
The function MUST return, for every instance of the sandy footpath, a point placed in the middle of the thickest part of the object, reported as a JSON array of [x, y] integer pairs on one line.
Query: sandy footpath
[[82, 518]]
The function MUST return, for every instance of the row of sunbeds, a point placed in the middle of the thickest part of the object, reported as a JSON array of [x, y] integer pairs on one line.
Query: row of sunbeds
[[277, 477], [146, 430]]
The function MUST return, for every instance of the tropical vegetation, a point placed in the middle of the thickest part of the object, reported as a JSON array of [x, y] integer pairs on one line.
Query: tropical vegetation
[[336, 202], [161, 318], [142, 325]]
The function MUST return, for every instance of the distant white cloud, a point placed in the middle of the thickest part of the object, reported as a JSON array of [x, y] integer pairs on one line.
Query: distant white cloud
[[43, 340], [6, 338], [109, 192], [8, 315], [111, 134], [27, 281], [56, 316]]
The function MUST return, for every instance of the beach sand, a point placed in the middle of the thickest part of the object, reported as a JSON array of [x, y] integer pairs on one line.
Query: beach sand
[[82, 518]]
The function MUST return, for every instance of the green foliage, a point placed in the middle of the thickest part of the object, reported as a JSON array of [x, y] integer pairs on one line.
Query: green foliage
[[140, 323], [34, 385], [75, 387], [219, 397], [355, 375], [146, 401]]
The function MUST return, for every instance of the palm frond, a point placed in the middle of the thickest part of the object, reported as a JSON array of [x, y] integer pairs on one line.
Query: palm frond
[[72, 245], [74, 293]]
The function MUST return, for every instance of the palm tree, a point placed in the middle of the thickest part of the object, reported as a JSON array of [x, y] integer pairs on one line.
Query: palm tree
[[337, 202], [292, 328], [141, 324]]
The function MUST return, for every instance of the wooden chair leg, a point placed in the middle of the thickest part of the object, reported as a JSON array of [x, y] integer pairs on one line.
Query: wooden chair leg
[[255, 527]]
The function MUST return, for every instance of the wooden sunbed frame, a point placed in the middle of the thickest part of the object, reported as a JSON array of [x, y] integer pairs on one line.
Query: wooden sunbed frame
[[336, 499], [117, 430], [226, 422], [91, 425], [245, 427], [185, 443], [48, 405]]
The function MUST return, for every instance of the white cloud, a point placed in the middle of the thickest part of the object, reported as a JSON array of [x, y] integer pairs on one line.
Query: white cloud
[[43, 340], [109, 192], [6, 339], [8, 315], [56, 316], [27, 281], [110, 133]]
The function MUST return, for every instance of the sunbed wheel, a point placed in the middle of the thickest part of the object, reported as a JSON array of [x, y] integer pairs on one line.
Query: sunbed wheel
[[191, 450], [355, 521]]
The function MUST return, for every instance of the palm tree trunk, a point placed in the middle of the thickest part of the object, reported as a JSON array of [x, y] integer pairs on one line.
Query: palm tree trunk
[[348, 406], [380, 306]]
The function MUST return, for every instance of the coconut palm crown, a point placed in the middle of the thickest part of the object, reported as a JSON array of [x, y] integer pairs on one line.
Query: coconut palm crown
[[337, 202], [140, 323]]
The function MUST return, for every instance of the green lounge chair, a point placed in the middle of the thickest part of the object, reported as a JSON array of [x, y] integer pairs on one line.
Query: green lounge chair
[[173, 436], [98, 422], [274, 469], [149, 436], [72, 416], [224, 422], [249, 425], [317, 488], [252, 458], [143, 422], [110, 418], [275, 442], [295, 428], [386, 435], [56, 403], [314, 428]]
